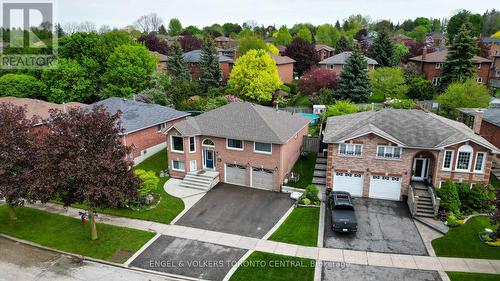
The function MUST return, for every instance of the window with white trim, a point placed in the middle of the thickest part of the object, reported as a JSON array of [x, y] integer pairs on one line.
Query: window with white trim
[[350, 149], [178, 165], [262, 147], [439, 65], [177, 144], [208, 142], [464, 158], [436, 81], [448, 157], [480, 160], [479, 80], [162, 126], [389, 152], [192, 144], [234, 144]]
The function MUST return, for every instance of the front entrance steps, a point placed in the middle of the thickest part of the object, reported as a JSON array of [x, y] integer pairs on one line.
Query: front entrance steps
[[424, 206], [319, 175], [201, 180]]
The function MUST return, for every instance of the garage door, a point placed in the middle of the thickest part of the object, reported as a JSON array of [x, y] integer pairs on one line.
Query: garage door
[[262, 178], [236, 174], [350, 182], [385, 187]]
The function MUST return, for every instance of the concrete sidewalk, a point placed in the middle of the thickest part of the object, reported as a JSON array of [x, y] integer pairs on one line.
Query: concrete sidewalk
[[318, 253]]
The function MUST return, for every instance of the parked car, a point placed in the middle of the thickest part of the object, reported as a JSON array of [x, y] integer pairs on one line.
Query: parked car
[[342, 211]]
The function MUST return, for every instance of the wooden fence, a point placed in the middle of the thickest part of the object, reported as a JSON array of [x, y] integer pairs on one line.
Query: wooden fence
[[310, 144]]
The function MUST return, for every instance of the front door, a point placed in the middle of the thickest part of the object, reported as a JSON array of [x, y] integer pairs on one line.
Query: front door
[[208, 159], [420, 169]]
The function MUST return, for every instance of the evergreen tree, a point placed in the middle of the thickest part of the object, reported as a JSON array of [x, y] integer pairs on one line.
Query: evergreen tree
[[176, 65], [337, 25], [162, 30], [342, 45], [458, 65], [211, 74], [354, 83], [382, 49]]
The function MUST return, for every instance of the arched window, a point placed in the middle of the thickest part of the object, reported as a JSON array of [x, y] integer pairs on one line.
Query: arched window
[[464, 157], [208, 143]]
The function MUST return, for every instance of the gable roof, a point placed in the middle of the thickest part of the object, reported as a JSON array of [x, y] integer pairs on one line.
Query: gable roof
[[320, 47], [281, 59], [138, 115], [489, 40], [244, 121], [194, 56], [440, 56], [342, 59], [162, 57], [490, 115], [405, 127]]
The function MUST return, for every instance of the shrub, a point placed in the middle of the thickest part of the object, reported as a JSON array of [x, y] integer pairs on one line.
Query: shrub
[[149, 182], [493, 244], [475, 199], [449, 197], [401, 104], [305, 201], [315, 79], [324, 96], [285, 88], [311, 193], [21, 86], [376, 97], [293, 86], [340, 108]]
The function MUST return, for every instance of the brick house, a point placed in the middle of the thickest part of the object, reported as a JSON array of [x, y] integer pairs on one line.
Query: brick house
[[324, 51], [242, 143], [193, 59], [485, 122], [378, 154], [161, 65], [435, 39], [224, 42], [338, 61], [142, 124], [493, 45], [285, 67], [431, 65]]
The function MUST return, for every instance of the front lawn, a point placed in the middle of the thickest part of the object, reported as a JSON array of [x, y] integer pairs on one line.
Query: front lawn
[[68, 234], [169, 206], [305, 168], [301, 228], [466, 276], [463, 241], [261, 266]]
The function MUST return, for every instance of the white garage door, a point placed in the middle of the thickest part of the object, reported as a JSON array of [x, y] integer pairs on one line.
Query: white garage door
[[385, 187], [236, 174], [350, 182], [262, 178]]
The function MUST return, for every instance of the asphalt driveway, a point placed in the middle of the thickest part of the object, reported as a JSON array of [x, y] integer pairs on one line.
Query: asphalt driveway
[[383, 226], [352, 272], [188, 258], [237, 210]]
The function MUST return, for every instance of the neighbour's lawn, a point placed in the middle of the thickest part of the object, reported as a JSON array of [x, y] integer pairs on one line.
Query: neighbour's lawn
[[301, 228], [68, 234], [466, 276], [305, 168], [263, 266], [169, 206], [463, 241]]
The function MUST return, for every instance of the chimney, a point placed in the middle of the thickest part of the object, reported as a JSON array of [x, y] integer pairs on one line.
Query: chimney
[[478, 119], [424, 53]]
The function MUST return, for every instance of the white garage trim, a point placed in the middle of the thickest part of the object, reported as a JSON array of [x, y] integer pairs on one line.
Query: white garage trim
[[235, 174], [350, 182], [262, 178], [385, 187]]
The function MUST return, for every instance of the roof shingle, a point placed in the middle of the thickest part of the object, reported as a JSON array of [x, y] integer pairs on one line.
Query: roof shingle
[[342, 59]]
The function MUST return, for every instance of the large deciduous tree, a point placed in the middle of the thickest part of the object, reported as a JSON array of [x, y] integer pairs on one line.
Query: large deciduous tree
[[250, 42], [327, 34], [210, 72], [354, 83], [21, 86], [317, 78], [85, 161], [463, 94], [153, 43], [176, 65], [382, 49], [304, 33], [388, 82], [174, 27], [283, 36], [189, 43], [304, 54]]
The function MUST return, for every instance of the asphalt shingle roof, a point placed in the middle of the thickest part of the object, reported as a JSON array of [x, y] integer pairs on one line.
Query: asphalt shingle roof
[[440, 56], [244, 121], [491, 115], [342, 59], [138, 115], [194, 56], [319, 47], [407, 128]]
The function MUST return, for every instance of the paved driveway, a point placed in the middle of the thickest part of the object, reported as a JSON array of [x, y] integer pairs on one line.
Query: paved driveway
[[383, 226], [352, 272], [188, 258], [237, 210]]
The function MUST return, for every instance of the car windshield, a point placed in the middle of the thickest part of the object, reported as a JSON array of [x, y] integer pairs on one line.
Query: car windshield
[[343, 207]]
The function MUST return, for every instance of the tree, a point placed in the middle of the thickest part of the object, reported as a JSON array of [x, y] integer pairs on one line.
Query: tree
[[250, 42], [153, 43], [315, 79], [192, 30], [449, 197], [21, 86], [148, 23], [342, 45], [189, 43], [327, 34], [458, 65], [162, 30], [388, 82], [176, 65], [401, 53], [474, 23], [255, 76], [17, 149], [354, 83], [210, 72], [174, 27], [84, 161], [304, 54], [495, 218], [420, 89], [383, 25], [128, 72], [340, 107], [463, 94], [491, 22], [419, 33], [382, 49], [272, 49], [149, 182], [283, 36], [423, 22], [231, 28], [304, 33]]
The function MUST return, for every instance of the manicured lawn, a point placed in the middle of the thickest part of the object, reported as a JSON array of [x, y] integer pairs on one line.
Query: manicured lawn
[[305, 168], [463, 241], [68, 234], [263, 266], [494, 181], [465, 276], [169, 206], [301, 228]]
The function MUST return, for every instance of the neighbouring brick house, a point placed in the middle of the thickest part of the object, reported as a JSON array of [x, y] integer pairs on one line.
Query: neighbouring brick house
[[161, 65], [485, 122], [142, 124], [243, 143], [324, 51], [224, 42], [379, 154], [493, 45], [285, 67], [431, 65], [435, 39], [193, 59], [338, 61]]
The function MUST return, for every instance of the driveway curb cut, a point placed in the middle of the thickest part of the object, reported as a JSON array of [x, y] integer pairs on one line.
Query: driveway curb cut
[[144, 247], [278, 224], [235, 267]]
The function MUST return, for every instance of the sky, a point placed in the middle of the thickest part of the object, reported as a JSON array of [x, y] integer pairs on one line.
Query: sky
[[119, 13]]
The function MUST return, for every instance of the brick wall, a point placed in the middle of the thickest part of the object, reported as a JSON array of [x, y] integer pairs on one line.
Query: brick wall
[[491, 133], [339, 67], [285, 71], [430, 71]]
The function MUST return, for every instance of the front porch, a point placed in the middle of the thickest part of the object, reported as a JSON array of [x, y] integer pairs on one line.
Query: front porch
[[203, 179]]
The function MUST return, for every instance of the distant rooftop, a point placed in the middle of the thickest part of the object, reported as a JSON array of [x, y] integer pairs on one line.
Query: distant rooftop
[[342, 59], [440, 56], [194, 56]]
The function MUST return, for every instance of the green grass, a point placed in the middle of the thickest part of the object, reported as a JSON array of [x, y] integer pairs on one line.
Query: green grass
[[313, 130], [69, 235], [301, 228], [169, 206], [494, 181], [466, 276], [263, 266], [305, 168], [463, 241]]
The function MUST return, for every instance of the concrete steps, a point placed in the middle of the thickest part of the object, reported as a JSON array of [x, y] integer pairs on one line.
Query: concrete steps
[[199, 180], [319, 174], [321, 167]]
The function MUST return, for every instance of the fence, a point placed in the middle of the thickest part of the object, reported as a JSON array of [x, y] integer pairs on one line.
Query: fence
[[429, 105], [310, 144], [297, 109]]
